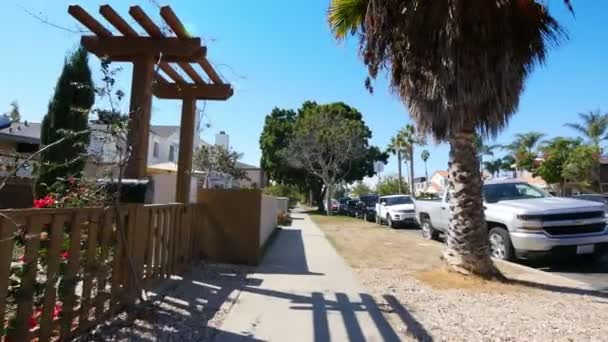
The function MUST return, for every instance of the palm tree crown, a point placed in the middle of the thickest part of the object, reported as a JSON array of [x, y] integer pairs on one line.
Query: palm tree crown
[[594, 126], [490, 51]]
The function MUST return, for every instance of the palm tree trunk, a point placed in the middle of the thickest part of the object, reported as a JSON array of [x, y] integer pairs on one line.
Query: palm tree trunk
[[467, 248], [411, 156], [399, 171], [426, 172]]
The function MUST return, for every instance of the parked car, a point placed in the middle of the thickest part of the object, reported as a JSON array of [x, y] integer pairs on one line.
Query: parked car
[[343, 205], [366, 209], [395, 210], [334, 204], [524, 221], [352, 207]]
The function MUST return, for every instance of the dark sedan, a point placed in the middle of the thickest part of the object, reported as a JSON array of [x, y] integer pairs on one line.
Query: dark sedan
[[352, 207], [367, 207]]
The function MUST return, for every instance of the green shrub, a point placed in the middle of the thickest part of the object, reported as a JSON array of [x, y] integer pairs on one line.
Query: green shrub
[[281, 190]]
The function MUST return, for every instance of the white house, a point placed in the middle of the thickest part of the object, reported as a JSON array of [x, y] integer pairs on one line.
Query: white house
[[437, 183]]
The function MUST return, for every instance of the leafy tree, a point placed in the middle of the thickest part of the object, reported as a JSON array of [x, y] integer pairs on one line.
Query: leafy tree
[[14, 114], [461, 74], [67, 117], [279, 128], [390, 186], [594, 127], [425, 155], [568, 161], [325, 142], [217, 159], [361, 189]]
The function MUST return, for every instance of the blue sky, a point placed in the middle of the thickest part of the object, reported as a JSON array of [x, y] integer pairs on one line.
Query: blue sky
[[281, 53]]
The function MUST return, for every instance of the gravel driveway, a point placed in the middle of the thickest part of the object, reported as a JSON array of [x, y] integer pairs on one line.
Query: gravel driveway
[[425, 303]]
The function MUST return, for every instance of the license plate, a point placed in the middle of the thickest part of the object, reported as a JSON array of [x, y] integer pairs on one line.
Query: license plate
[[585, 249]]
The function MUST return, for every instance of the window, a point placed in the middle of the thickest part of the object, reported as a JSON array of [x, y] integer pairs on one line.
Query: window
[[171, 153], [155, 150]]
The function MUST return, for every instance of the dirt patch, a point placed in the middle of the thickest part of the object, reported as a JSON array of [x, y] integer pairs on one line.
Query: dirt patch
[[443, 279]]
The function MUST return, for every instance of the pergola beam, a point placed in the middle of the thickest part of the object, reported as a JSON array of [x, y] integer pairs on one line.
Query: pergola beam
[[180, 31], [170, 49], [164, 90], [88, 21]]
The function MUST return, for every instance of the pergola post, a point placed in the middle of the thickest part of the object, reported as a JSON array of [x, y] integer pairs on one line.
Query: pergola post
[[186, 145], [139, 116]]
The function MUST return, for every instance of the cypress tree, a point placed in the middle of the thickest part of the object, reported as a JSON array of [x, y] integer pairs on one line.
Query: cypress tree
[[67, 114]]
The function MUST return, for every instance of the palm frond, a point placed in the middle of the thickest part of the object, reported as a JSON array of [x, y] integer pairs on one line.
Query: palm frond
[[346, 16]]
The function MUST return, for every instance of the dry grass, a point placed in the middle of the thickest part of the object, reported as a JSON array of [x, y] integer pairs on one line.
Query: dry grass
[[366, 245]]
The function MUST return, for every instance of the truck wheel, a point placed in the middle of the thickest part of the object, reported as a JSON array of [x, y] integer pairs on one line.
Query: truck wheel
[[500, 244], [428, 232]]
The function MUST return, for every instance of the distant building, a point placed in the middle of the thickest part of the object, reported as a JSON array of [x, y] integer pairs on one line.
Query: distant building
[[420, 184], [18, 142], [437, 183]]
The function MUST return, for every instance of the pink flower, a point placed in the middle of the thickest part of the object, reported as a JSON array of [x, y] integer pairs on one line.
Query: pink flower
[[65, 255], [72, 180]]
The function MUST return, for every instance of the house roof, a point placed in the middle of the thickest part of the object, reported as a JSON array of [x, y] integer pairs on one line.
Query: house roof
[[164, 131], [23, 132], [29, 132], [441, 173], [241, 165]]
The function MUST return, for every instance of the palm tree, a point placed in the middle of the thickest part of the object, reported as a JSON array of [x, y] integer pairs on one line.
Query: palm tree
[[484, 150], [529, 141], [425, 155], [397, 146], [594, 127], [411, 138], [493, 167], [461, 73]]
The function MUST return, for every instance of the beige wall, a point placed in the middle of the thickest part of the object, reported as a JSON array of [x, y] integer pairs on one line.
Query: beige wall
[[268, 217], [165, 185]]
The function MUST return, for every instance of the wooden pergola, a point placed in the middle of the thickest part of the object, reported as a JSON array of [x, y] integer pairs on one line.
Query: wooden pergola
[[157, 51]]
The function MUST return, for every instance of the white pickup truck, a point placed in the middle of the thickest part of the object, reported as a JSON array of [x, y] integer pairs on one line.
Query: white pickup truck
[[524, 221], [395, 210]]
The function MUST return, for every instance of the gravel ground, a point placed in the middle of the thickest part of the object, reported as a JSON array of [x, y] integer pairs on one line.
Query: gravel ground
[[496, 312], [186, 310]]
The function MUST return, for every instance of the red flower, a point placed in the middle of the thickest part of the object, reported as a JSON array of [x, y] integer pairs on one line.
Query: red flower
[[45, 202], [57, 310], [33, 321], [65, 255], [22, 258]]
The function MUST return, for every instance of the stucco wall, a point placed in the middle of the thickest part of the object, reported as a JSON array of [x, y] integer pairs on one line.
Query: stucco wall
[[268, 217], [165, 185]]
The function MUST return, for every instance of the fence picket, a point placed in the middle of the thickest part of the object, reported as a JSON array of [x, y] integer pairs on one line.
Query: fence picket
[[117, 263], [7, 243], [25, 300], [71, 276], [89, 268], [149, 247], [53, 261], [105, 235]]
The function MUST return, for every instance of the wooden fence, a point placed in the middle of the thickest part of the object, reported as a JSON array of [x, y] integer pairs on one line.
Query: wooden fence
[[62, 271]]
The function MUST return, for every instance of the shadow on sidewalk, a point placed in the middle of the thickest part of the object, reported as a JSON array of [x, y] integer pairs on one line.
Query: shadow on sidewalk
[[319, 304]]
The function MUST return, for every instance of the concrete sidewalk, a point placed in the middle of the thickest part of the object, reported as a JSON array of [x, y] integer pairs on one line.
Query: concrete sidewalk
[[306, 292]]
